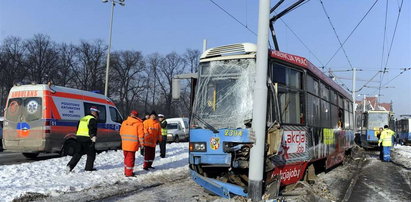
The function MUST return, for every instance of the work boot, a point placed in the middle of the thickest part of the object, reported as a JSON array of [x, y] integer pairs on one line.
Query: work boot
[[68, 169]]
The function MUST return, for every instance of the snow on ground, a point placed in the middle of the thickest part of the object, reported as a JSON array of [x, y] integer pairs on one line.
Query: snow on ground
[[48, 177], [401, 155]]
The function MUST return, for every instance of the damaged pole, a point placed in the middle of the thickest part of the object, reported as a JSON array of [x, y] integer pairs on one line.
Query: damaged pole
[[256, 170]]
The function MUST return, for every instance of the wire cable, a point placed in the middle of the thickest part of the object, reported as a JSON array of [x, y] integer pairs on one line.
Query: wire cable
[[388, 82], [302, 42], [392, 41], [245, 26], [335, 32], [385, 31], [372, 6]]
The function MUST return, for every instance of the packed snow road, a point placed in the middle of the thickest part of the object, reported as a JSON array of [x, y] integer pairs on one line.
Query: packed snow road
[[381, 181], [47, 180], [361, 178]]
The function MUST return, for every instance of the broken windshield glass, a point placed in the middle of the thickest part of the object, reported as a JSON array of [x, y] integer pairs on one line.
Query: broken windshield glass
[[224, 94]]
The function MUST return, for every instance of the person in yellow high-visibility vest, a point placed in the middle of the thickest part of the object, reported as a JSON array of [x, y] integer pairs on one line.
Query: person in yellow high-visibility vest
[[86, 137], [386, 142], [163, 143]]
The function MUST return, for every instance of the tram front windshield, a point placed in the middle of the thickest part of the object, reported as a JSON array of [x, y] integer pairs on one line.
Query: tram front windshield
[[224, 94], [377, 120]]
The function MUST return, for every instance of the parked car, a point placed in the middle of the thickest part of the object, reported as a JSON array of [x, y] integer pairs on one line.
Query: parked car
[[177, 129]]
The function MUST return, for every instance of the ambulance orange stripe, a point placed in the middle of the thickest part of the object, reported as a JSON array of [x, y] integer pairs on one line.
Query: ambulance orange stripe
[[79, 97], [54, 111]]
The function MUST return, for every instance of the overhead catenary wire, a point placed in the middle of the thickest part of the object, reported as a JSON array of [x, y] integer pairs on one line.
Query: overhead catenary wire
[[335, 32], [229, 14], [385, 31], [302, 42], [339, 81], [369, 10], [402, 72], [372, 78], [392, 41]]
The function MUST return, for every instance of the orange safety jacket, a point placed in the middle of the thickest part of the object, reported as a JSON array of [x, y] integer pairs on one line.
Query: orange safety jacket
[[152, 133], [131, 130]]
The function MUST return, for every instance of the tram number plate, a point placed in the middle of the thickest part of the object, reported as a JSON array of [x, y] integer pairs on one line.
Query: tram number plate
[[233, 133]]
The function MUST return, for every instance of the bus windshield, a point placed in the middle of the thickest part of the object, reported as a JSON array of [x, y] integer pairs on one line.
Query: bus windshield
[[377, 120], [24, 109], [224, 94]]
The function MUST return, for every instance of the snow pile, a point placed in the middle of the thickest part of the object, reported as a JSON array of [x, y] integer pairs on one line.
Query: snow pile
[[49, 178], [401, 155]]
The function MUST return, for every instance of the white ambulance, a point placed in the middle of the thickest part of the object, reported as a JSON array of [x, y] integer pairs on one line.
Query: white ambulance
[[44, 118]]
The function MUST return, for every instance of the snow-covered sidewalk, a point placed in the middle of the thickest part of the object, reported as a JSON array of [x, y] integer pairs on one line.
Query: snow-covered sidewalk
[[401, 155], [48, 177]]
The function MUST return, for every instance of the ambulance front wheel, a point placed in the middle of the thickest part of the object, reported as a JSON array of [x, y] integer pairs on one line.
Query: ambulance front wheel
[[31, 155], [69, 147]]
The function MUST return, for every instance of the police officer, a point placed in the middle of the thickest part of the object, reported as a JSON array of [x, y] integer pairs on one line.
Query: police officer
[[86, 138], [163, 143]]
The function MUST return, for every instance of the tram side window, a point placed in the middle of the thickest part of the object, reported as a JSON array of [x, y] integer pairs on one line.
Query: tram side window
[[312, 85], [340, 102], [334, 116], [313, 110], [333, 97], [324, 92], [325, 114], [365, 118], [279, 74], [291, 106], [346, 119], [286, 76]]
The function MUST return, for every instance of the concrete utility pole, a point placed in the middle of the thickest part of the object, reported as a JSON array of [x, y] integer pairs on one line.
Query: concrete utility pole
[[256, 170], [353, 98]]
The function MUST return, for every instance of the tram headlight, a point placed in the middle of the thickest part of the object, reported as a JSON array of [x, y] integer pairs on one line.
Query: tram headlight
[[198, 147]]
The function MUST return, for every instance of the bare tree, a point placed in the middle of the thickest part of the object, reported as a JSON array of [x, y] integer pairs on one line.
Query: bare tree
[[12, 69], [172, 65], [67, 63], [154, 63], [89, 74], [42, 58], [128, 79], [192, 58]]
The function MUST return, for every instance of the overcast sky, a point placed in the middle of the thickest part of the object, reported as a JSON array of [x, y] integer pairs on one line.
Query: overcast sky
[[164, 26]]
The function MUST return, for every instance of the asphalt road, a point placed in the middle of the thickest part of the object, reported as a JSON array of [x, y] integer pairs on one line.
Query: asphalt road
[[8, 158]]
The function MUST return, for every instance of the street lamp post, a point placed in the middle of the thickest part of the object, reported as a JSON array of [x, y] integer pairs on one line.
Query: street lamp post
[[113, 3]]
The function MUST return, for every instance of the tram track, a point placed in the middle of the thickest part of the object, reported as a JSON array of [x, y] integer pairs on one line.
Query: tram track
[[354, 179]]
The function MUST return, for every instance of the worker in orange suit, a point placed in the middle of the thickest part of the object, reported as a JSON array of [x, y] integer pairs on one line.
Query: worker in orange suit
[[131, 131], [152, 135]]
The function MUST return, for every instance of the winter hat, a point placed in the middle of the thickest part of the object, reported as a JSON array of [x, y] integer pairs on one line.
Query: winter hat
[[94, 109], [134, 112]]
